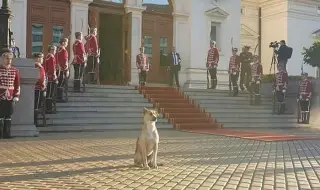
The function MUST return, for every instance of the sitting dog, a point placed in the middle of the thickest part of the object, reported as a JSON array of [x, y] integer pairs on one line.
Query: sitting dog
[[147, 143]]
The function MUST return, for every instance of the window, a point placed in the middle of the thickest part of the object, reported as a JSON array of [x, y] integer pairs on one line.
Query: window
[[148, 48], [215, 32], [57, 32], [37, 38], [163, 50]]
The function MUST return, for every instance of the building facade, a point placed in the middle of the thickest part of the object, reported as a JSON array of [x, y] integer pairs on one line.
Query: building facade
[[295, 21], [125, 26]]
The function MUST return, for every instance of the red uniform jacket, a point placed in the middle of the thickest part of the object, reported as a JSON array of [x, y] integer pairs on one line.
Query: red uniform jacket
[[41, 83], [234, 64], [142, 62], [9, 83], [91, 45], [212, 58], [79, 52], [256, 72], [281, 81], [305, 89], [50, 67], [62, 58]]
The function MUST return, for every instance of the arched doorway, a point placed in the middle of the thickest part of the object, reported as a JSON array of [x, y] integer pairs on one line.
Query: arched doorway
[[157, 37]]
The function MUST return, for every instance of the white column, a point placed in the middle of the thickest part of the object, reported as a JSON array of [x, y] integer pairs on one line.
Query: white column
[[136, 31], [19, 24], [181, 40], [79, 22]]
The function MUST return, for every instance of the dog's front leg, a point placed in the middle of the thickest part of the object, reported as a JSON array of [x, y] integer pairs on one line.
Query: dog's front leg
[[155, 155], [144, 156]]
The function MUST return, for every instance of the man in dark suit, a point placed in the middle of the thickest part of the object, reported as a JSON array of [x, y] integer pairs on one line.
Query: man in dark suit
[[174, 66]]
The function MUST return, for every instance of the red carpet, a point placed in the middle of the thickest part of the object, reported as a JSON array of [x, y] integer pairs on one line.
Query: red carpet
[[250, 135], [181, 111]]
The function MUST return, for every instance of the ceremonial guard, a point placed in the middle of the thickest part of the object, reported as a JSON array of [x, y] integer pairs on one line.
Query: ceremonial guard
[[280, 88], [79, 61], [9, 92], [62, 58], [93, 54], [142, 62], [234, 68], [51, 73], [304, 98], [212, 63], [246, 59], [256, 76], [40, 87]]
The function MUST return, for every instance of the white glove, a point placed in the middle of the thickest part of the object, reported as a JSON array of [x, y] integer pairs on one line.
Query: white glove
[[44, 94], [300, 97], [214, 66], [258, 82], [307, 99], [234, 73], [284, 91], [15, 99]]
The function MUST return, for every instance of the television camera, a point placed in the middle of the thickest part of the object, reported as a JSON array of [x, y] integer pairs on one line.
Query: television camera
[[274, 44]]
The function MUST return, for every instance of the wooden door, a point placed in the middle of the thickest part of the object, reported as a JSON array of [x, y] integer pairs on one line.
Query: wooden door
[[157, 32], [48, 22]]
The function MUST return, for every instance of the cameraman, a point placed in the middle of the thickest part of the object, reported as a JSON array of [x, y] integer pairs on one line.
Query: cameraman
[[282, 53]]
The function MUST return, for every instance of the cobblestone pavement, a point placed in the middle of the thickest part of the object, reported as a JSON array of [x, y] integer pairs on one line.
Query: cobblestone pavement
[[191, 161]]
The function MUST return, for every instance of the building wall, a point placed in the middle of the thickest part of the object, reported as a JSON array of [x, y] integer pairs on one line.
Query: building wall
[[249, 24], [303, 20]]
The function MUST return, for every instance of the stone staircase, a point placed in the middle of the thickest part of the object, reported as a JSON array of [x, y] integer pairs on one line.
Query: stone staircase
[[181, 111], [101, 108], [236, 112]]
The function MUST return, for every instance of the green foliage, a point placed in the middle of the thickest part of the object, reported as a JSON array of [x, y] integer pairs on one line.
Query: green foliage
[[311, 55]]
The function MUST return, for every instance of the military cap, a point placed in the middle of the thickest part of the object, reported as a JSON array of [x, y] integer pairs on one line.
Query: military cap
[[78, 34], [6, 52], [247, 47], [38, 55], [64, 40], [234, 49], [52, 47]]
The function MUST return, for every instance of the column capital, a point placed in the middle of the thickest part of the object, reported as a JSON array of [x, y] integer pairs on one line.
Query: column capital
[[135, 9], [180, 15], [81, 2]]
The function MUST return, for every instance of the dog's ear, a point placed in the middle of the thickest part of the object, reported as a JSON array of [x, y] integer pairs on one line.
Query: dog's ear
[[145, 110], [157, 113]]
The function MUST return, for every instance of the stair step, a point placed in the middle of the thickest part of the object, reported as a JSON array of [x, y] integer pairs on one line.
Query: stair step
[[235, 106], [104, 95], [168, 96], [108, 90], [196, 126], [119, 87], [256, 120], [89, 115], [229, 101], [181, 110], [157, 88], [98, 127], [115, 109], [105, 104], [249, 115], [191, 120], [187, 115], [165, 100], [259, 125], [88, 121], [106, 99], [177, 105]]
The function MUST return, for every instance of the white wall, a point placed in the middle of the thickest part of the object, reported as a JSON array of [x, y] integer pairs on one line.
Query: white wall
[[200, 31], [302, 22], [250, 24]]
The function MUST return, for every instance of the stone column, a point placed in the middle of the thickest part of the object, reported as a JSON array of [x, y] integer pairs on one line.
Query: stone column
[[79, 22], [181, 40], [136, 31], [22, 118]]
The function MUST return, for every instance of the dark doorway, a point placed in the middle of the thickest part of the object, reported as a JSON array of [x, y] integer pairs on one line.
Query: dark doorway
[[111, 42]]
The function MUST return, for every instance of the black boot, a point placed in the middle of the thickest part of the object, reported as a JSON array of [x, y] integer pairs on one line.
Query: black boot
[[235, 91], [76, 85], [7, 128], [214, 84], [91, 78], [1, 128], [60, 94], [49, 106]]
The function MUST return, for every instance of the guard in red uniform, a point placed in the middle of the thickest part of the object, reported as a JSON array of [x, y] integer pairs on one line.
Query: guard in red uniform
[[9, 92], [280, 88], [40, 87], [212, 63], [79, 61], [51, 73], [93, 54], [62, 58], [256, 76], [304, 97], [142, 62], [234, 69]]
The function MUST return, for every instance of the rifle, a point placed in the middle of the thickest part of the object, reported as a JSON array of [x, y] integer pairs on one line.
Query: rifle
[[208, 85], [230, 89]]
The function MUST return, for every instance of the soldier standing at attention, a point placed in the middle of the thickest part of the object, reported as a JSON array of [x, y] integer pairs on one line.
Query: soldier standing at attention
[[212, 63], [256, 76], [234, 68], [51, 73], [79, 61], [9, 92], [280, 87], [142, 62], [246, 59], [92, 50], [62, 58], [40, 87]]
